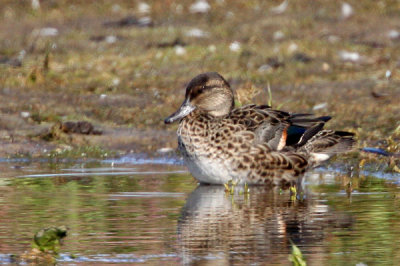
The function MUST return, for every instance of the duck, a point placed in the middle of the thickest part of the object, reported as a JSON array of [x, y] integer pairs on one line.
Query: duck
[[251, 144]]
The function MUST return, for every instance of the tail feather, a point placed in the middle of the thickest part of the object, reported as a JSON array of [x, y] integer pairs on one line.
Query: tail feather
[[309, 133], [303, 127], [327, 143], [302, 121]]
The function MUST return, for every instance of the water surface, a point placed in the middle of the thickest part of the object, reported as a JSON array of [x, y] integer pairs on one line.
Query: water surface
[[147, 213]]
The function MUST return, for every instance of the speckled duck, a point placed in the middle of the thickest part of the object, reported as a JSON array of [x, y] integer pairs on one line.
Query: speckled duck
[[252, 144]]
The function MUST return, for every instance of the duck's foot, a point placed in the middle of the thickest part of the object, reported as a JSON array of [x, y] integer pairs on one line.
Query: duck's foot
[[231, 185], [293, 192]]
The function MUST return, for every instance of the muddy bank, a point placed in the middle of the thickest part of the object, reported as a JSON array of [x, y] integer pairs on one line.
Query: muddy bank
[[123, 68], [22, 138]]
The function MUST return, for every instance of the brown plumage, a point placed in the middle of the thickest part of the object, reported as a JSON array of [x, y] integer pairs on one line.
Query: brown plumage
[[251, 144]]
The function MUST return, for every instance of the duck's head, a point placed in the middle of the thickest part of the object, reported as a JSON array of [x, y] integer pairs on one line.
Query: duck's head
[[208, 92]]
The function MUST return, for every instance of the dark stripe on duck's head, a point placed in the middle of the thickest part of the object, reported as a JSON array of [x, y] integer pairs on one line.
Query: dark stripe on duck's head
[[203, 82]]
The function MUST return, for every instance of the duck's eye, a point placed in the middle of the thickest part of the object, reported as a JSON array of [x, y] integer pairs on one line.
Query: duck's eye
[[198, 90]]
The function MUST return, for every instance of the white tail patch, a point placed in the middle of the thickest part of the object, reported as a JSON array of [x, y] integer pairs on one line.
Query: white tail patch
[[319, 157]]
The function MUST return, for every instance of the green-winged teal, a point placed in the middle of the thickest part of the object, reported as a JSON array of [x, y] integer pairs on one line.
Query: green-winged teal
[[252, 144]]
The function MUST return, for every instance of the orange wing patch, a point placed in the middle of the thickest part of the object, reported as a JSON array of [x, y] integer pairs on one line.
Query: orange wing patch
[[282, 141]]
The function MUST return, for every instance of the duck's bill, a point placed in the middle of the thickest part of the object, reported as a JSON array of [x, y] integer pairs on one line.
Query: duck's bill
[[185, 109]]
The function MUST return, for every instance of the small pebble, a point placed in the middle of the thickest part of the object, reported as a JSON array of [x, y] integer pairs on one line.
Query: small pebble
[[111, 39], [281, 8], [197, 33], [278, 35], [325, 66], [388, 74], [264, 68], [230, 14], [35, 4], [292, 48], [393, 34], [116, 81], [333, 38], [179, 50], [25, 114], [235, 46], [145, 21], [347, 10], [320, 106], [200, 6], [144, 8], [165, 150], [115, 8], [212, 48], [349, 56], [46, 32], [159, 55]]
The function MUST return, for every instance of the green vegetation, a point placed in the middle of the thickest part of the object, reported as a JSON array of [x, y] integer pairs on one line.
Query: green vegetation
[[49, 239], [297, 257]]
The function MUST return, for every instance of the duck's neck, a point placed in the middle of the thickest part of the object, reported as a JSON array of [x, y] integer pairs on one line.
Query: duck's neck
[[223, 108], [198, 115], [194, 124]]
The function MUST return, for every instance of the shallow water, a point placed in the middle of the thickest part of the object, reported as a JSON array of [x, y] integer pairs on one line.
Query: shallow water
[[152, 212]]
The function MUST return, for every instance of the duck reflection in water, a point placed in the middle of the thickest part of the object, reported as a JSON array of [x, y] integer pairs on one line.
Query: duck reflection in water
[[221, 228]]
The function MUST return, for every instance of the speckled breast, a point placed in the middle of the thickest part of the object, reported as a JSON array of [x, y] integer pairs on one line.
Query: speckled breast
[[197, 153]]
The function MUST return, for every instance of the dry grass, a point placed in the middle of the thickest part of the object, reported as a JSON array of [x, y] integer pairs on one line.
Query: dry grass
[[63, 77]]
